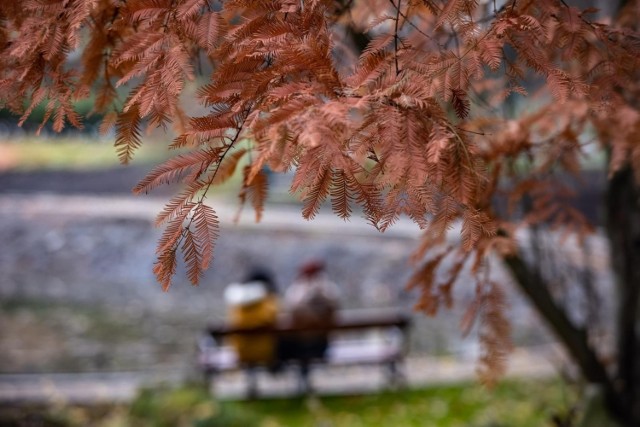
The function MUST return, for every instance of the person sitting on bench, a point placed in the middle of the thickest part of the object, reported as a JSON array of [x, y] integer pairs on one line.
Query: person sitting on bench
[[312, 300], [250, 304]]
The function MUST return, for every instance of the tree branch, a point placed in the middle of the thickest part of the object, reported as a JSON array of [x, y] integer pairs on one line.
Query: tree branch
[[574, 338], [415, 27], [395, 35]]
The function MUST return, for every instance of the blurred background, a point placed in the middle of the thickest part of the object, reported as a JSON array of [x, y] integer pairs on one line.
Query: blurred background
[[87, 336]]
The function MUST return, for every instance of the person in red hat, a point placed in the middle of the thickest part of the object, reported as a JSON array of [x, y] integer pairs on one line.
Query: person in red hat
[[312, 300]]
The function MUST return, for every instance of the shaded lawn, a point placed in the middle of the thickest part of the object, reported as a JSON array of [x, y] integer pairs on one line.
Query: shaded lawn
[[511, 403]]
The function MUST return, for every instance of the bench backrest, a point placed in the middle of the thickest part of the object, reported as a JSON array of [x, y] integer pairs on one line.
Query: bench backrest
[[345, 320]]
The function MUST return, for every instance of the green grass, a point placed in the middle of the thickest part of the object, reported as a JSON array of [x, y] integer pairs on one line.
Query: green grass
[[519, 404], [32, 153], [71, 153], [512, 403]]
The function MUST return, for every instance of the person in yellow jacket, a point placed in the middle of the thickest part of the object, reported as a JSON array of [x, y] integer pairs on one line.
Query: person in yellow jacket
[[253, 303]]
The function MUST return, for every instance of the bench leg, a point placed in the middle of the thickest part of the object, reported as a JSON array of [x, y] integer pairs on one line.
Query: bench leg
[[395, 375], [304, 380], [252, 382], [208, 377]]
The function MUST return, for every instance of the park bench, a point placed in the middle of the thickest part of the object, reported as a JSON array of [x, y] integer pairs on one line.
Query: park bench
[[356, 337]]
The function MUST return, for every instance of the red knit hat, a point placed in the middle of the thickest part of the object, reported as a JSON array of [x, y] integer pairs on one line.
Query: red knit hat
[[311, 268]]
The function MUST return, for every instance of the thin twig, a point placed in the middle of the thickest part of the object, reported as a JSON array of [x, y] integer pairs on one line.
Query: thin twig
[[415, 27], [231, 145], [472, 131], [395, 36]]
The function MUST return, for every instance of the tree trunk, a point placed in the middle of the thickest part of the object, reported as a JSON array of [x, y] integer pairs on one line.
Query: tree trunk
[[623, 227], [573, 338], [622, 387]]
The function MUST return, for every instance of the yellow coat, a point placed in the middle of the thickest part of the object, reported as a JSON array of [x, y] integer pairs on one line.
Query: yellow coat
[[254, 348]]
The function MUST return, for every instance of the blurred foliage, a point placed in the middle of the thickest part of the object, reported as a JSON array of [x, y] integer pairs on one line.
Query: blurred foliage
[[511, 403]]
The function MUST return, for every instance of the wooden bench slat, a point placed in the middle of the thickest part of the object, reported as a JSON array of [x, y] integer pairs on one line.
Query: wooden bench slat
[[344, 321], [339, 353]]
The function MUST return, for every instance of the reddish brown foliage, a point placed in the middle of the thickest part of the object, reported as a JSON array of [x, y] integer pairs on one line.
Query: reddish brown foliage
[[413, 127]]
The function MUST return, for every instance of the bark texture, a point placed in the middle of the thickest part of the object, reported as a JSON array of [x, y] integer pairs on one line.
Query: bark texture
[[623, 226]]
